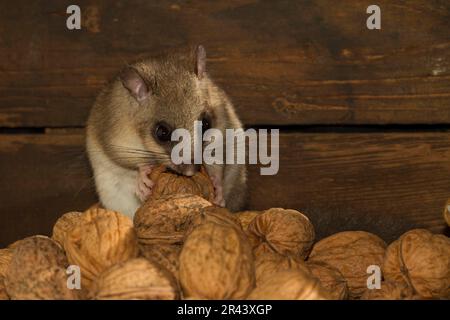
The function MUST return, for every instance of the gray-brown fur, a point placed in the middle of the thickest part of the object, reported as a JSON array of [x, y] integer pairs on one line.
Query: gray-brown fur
[[120, 126]]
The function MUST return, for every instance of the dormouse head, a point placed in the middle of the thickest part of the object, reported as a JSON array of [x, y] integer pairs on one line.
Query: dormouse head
[[167, 94]]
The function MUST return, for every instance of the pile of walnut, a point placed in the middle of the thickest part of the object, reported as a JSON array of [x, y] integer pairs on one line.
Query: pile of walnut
[[179, 246]]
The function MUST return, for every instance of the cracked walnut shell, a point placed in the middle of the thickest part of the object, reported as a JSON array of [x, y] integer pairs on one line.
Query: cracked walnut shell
[[420, 259]]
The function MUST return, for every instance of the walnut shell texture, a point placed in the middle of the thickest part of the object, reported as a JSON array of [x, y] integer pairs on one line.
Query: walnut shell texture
[[330, 278], [64, 224], [289, 285], [168, 183], [101, 239], [447, 213], [166, 220], [166, 256], [246, 217], [5, 259], [389, 291], [3, 293], [38, 271], [284, 231], [135, 279], [351, 252], [216, 262], [269, 263], [216, 215], [15, 244], [420, 259]]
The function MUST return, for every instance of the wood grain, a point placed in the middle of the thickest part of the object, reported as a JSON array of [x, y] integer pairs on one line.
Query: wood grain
[[382, 182], [282, 62]]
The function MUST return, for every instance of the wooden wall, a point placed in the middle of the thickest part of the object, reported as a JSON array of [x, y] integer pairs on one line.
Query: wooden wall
[[364, 114]]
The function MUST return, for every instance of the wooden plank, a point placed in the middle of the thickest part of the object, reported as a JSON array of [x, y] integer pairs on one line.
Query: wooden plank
[[43, 176], [383, 182], [282, 62]]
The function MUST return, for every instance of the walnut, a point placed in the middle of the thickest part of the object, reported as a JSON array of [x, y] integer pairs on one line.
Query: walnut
[[163, 224], [166, 220], [167, 183], [94, 206], [330, 278], [5, 259], [166, 256], [216, 262], [38, 271], [3, 293], [135, 279], [285, 231], [389, 291], [64, 224], [268, 263], [15, 244], [447, 212], [351, 252], [289, 285], [217, 215], [421, 260], [245, 217], [101, 239]]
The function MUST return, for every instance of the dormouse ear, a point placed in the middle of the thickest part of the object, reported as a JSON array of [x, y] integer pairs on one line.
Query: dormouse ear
[[200, 66], [134, 83]]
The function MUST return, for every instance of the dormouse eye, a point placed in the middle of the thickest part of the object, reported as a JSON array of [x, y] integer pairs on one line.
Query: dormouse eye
[[206, 123], [163, 132]]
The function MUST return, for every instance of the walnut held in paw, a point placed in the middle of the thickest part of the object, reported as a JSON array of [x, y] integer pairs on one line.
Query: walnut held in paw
[[330, 278], [167, 183], [284, 231], [389, 291], [216, 262], [289, 285], [135, 279], [38, 271], [101, 239], [64, 224], [421, 260], [351, 252]]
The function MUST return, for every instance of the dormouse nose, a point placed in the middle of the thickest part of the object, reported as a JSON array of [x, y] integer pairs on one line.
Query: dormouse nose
[[189, 169]]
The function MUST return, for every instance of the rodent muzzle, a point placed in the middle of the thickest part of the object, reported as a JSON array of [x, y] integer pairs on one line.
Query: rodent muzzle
[[187, 169]]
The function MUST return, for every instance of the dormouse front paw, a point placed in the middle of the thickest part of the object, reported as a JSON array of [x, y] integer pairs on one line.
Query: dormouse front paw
[[144, 184], [218, 191]]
